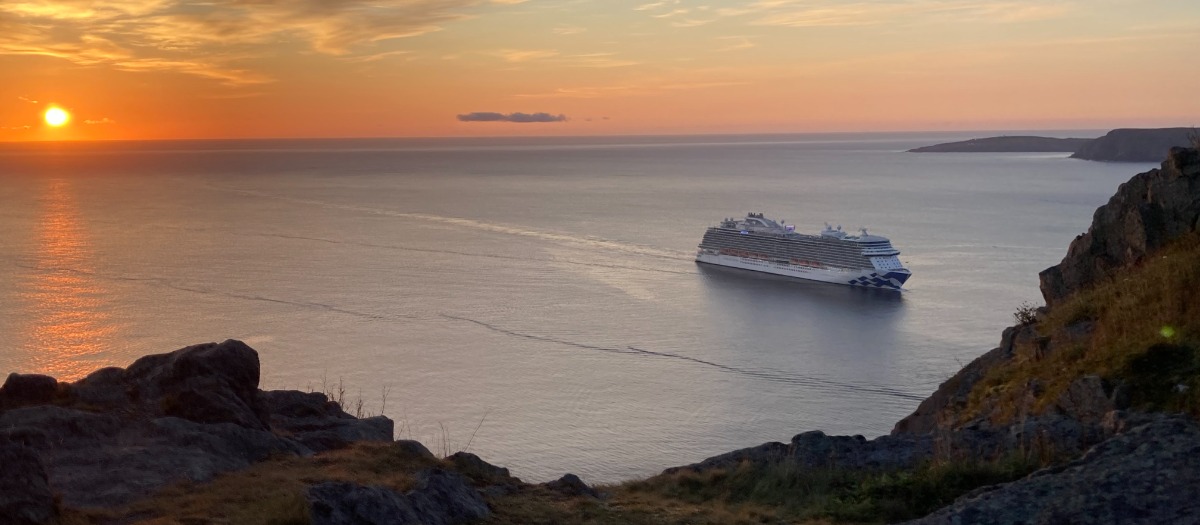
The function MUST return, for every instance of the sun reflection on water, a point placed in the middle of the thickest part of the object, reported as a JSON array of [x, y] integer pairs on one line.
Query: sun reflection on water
[[70, 327]]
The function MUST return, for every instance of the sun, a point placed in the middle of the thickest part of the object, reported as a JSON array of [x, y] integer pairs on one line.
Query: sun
[[57, 117]]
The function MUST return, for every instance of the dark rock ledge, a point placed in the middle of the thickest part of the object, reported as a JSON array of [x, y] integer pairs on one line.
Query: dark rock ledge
[[122, 434]]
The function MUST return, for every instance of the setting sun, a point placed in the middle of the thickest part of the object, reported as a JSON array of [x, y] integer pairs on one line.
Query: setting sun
[[57, 117]]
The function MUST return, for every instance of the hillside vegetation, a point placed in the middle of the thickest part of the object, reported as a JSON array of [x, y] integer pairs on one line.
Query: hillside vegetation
[[1142, 335]]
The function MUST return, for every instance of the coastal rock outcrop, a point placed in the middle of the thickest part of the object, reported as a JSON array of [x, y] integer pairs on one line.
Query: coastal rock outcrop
[[25, 496], [1146, 475], [815, 449], [27, 389], [320, 424], [441, 498], [208, 383], [1147, 212], [120, 434], [1135, 145], [571, 485]]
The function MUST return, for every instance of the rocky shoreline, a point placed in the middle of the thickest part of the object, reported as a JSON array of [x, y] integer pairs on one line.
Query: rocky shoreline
[[90, 451]]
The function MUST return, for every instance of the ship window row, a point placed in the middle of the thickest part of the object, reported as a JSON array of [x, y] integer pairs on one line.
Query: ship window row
[[808, 242], [787, 247], [811, 244], [764, 245], [777, 248], [775, 253]]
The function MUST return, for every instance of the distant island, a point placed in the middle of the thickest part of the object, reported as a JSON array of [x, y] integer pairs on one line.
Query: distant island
[[1006, 144], [1118, 145]]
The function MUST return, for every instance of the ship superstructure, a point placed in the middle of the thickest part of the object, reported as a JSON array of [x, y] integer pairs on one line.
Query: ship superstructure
[[833, 256]]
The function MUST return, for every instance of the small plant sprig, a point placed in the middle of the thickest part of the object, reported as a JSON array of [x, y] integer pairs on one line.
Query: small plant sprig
[[1026, 313]]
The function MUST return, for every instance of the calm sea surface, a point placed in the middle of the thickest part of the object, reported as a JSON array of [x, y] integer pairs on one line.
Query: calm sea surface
[[535, 298]]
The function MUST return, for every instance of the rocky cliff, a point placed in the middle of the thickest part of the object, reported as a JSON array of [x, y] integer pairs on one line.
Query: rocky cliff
[[1149, 211], [1135, 145]]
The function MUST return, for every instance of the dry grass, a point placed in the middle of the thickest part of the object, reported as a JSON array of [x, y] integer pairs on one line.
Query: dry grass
[[272, 493], [1146, 335], [268, 493], [538, 506], [786, 493]]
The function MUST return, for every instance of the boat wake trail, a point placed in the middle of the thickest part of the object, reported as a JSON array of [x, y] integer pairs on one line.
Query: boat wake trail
[[561, 238], [776, 376], [472, 254]]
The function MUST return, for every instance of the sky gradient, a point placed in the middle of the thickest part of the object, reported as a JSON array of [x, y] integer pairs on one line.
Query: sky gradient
[[164, 69]]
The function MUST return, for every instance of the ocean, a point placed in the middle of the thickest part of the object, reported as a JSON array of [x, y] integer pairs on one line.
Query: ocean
[[536, 300]]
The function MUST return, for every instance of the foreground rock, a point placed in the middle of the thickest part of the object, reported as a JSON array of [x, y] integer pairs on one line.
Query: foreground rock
[[571, 485], [320, 424], [814, 449], [25, 496], [1013, 144], [441, 498], [119, 435], [1135, 145], [1148, 475]]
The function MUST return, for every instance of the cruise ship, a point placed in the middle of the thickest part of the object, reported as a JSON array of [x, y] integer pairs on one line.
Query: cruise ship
[[834, 256]]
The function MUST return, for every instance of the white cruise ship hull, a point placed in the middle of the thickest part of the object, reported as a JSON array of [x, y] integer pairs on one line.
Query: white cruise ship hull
[[867, 278]]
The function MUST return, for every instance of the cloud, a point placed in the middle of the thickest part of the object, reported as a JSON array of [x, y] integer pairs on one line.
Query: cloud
[[216, 38], [629, 90], [569, 30], [521, 118], [28, 100], [839, 13], [735, 43], [830, 13], [523, 55], [104, 120]]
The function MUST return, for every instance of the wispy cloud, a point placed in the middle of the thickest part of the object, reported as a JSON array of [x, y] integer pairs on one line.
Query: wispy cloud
[[830, 13], [215, 38], [835, 13], [522, 55], [627, 90], [520, 118], [104, 120], [735, 43], [569, 30], [553, 57]]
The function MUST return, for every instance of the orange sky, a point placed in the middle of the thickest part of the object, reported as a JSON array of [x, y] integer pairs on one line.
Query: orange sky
[[159, 69]]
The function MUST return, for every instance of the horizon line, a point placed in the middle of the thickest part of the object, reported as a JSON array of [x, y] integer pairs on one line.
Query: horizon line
[[594, 136]]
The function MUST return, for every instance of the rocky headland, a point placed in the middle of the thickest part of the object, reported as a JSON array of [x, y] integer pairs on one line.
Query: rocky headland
[[1007, 144], [1135, 145], [1085, 413], [1118, 145]]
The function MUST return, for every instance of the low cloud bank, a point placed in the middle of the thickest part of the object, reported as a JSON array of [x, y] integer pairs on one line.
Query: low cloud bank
[[488, 116]]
